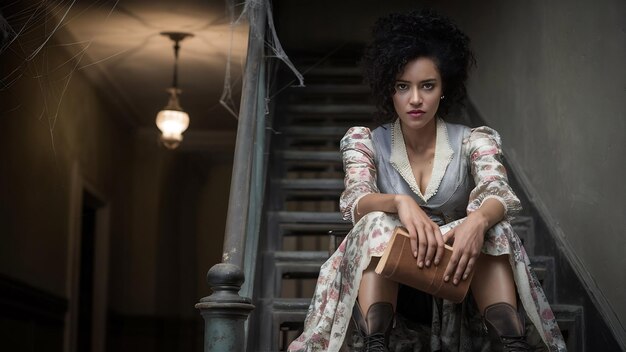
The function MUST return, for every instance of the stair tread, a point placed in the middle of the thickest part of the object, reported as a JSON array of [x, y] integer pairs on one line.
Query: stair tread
[[291, 229], [540, 258], [331, 108], [310, 217], [567, 308], [310, 155], [312, 257], [293, 304], [303, 303], [324, 131], [308, 184]]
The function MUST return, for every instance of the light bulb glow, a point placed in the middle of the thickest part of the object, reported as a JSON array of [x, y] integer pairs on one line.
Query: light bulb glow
[[172, 124]]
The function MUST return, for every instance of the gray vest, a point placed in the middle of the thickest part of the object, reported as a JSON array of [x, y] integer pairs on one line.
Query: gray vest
[[450, 201]]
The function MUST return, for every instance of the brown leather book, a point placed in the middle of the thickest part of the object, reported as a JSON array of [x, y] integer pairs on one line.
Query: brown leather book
[[398, 264]]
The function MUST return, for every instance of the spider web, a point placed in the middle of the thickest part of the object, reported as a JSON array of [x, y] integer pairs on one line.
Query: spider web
[[271, 42], [27, 42]]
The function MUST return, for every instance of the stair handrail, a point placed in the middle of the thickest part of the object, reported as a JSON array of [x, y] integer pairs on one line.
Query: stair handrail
[[225, 311]]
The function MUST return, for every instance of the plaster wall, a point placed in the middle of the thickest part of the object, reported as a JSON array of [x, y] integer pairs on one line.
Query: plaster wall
[[551, 80], [48, 129]]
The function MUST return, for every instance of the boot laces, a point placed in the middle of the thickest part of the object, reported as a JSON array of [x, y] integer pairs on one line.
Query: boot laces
[[515, 344], [375, 343]]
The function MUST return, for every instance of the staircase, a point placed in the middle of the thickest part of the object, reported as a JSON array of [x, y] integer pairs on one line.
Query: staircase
[[305, 181]]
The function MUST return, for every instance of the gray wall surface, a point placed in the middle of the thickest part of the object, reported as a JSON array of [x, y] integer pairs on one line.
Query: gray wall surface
[[551, 80]]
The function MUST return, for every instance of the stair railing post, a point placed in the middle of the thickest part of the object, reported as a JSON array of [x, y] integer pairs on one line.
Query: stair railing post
[[225, 311]]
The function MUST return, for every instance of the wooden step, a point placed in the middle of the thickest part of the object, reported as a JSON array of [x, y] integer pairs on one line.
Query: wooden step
[[291, 304], [302, 223], [315, 131], [310, 184], [315, 229], [525, 228], [299, 264], [306, 257], [292, 265], [310, 156], [308, 190], [280, 314], [543, 266], [571, 322], [314, 119], [330, 109], [327, 218]]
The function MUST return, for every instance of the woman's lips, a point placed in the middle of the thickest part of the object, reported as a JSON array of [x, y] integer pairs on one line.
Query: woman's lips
[[416, 113]]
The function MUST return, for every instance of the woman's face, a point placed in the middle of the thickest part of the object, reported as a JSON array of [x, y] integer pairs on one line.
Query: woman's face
[[417, 94]]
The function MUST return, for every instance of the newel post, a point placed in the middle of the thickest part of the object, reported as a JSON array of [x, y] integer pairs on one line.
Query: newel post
[[225, 311]]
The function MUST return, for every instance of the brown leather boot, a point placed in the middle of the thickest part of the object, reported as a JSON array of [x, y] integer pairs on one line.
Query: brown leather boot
[[375, 327], [506, 328]]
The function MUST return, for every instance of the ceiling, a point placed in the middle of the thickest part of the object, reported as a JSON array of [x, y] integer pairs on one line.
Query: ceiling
[[125, 55], [119, 47]]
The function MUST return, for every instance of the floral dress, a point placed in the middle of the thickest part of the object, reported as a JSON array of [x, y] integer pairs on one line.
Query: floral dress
[[467, 170]]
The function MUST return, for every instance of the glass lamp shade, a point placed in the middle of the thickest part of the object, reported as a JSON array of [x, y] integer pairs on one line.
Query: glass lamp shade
[[172, 124]]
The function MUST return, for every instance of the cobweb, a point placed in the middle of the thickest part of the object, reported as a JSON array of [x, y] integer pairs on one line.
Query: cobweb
[[29, 42], [271, 41], [27, 29]]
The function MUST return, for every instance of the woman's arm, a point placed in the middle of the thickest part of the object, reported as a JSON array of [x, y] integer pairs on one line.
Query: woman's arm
[[469, 237], [426, 240], [491, 201]]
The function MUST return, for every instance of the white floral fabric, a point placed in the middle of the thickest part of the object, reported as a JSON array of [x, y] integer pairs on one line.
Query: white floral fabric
[[455, 327]]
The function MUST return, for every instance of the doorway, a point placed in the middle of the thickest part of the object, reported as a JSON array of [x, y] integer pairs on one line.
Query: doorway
[[90, 206], [87, 267]]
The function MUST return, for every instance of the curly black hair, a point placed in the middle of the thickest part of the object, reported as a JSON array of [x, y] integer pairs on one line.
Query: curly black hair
[[399, 38]]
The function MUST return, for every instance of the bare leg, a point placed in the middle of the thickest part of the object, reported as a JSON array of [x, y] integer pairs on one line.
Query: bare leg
[[493, 288], [493, 282], [375, 288], [377, 303]]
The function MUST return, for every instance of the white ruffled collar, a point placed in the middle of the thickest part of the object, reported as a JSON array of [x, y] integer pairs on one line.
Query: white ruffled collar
[[400, 160]]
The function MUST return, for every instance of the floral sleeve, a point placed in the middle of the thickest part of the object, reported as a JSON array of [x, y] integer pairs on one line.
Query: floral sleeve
[[360, 172], [485, 155]]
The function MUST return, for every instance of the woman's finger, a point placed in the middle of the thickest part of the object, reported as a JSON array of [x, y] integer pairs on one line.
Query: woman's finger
[[454, 260], [422, 242], [440, 246], [470, 266], [431, 246], [460, 268], [412, 238]]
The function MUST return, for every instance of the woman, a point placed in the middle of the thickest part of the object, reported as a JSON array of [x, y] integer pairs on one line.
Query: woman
[[445, 183]]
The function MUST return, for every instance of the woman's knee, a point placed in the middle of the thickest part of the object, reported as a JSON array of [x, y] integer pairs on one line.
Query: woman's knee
[[381, 217]]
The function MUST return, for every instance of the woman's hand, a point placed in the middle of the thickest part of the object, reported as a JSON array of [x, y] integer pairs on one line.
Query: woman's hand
[[468, 242], [426, 240]]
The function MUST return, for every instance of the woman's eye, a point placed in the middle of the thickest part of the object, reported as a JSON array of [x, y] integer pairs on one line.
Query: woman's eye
[[401, 86], [428, 86]]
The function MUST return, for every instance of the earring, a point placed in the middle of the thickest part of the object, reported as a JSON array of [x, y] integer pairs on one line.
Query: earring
[[443, 96]]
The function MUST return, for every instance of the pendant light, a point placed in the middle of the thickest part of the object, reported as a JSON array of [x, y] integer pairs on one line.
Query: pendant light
[[172, 120]]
